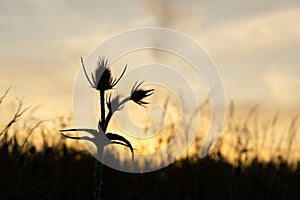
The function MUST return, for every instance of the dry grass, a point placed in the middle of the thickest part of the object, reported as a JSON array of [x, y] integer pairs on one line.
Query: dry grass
[[235, 169]]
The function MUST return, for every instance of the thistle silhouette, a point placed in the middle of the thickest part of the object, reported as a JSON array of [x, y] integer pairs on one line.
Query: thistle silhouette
[[102, 81]]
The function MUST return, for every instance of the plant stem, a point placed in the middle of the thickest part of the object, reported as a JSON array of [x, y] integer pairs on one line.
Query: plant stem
[[98, 172], [102, 107]]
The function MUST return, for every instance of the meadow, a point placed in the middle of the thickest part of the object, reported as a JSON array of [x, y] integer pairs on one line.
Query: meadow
[[36, 162]]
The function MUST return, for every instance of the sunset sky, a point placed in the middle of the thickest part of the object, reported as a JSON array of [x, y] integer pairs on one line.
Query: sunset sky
[[255, 44]]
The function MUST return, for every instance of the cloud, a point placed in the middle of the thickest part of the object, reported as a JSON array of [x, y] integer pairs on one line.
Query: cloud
[[277, 29], [245, 39], [283, 86], [173, 14], [143, 21], [42, 41]]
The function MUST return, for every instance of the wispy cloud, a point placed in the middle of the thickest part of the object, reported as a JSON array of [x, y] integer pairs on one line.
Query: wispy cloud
[[42, 41], [173, 14], [277, 29]]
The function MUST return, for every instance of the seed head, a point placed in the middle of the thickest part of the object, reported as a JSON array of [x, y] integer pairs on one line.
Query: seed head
[[101, 78], [137, 95]]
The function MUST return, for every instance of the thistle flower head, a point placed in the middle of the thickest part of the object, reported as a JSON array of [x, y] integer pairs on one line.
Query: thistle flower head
[[114, 104], [101, 78], [137, 95]]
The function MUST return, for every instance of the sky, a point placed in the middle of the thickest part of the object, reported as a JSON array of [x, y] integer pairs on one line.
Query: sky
[[255, 44]]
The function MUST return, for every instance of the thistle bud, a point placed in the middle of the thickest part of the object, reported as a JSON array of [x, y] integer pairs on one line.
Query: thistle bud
[[137, 95], [101, 78]]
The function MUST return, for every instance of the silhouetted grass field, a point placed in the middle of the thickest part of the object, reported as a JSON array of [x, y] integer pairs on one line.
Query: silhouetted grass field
[[57, 170], [62, 173]]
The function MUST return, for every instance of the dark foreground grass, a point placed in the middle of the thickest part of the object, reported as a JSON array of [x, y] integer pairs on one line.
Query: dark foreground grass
[[62, 173], [58, 172]]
